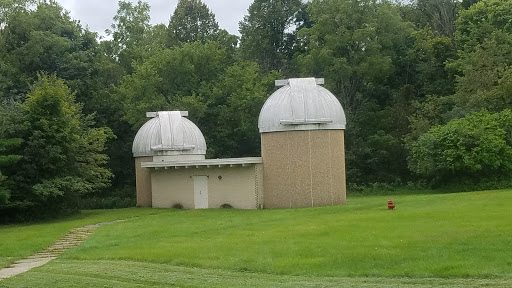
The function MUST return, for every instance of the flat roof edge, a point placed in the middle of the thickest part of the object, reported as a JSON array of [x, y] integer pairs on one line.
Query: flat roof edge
[[204, 163], [302, 127]]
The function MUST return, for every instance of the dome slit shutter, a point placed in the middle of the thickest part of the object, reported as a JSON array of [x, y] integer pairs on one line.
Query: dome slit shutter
[[176, 131], [302, 107], [297, 99], [165, 125]]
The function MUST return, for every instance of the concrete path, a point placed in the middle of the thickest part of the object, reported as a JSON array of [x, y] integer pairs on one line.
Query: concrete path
[[74, 238]]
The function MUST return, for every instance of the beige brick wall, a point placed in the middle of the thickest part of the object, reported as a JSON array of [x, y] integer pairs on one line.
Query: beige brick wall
[[303, 168], [143, 182], [339, 181]]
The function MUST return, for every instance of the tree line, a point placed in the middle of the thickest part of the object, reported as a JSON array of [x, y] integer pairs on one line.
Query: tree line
[[426, 86]]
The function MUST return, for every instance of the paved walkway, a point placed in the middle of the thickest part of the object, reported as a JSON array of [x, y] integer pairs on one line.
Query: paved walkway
[[74, 238]]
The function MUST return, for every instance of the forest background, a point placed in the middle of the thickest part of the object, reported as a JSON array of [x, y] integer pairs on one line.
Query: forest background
[[426, 87]]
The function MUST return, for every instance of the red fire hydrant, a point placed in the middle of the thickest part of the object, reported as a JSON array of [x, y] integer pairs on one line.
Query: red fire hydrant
[[391, 206]]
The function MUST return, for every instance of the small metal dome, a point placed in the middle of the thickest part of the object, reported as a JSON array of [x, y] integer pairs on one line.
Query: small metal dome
[[301, 104], [169, 133]]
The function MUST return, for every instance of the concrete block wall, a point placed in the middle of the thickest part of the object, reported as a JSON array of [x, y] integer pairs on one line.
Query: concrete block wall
[[238, 186], [303, 168], [143, 182]]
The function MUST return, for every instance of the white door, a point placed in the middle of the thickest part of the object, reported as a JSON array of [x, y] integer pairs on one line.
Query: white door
[[200, 192]]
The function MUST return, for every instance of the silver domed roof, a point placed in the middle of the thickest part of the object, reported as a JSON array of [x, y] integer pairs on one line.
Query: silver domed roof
[[168, 133], [301, 104]]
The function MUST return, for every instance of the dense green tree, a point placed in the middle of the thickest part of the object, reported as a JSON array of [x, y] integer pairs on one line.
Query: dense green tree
[[192, 21], [484, 41], [353, 45], [483, 71], [131, 24], [401, 72], [470, 150], [465, 4], [224, 98], [57, 44], [62, 156], [268, 34], [480, 21], [8, 7], [428, 57], [482, 63], [440, 15], [8, 146], [230, 121], [360, 47], [432, 111], [173, 79], [45, 39], [483, 68], [130, 34], [6, 159]]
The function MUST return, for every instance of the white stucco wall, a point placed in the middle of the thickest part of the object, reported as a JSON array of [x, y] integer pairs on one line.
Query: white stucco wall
[[239, 186]]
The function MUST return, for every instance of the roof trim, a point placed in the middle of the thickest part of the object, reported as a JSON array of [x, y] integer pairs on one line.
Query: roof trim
[[229, 162], [306, 121], [155, 114], [280, 83]]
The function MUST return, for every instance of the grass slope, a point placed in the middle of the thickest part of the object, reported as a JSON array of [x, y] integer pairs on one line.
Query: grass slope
[[451, 235], [19, 241], [125, 274], [428, 240]]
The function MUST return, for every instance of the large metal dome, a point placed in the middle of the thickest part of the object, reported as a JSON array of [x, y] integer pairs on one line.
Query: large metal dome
[[301, 104], [169, 133]]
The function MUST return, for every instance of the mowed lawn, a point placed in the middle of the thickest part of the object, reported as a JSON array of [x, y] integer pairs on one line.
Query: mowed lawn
[[462, 239], [19, 241]]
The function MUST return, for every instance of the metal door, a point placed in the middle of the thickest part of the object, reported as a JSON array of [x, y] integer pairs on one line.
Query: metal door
[[200, 192]]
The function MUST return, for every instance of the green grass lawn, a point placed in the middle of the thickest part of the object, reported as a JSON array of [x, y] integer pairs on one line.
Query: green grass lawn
[[19, 241], [462, 239], [129, 274]]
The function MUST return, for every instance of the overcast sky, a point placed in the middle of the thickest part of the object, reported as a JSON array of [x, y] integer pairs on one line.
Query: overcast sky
[[98, 14]]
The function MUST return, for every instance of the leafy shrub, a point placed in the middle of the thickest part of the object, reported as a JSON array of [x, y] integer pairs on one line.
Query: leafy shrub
[[107, 203], [474, 151]]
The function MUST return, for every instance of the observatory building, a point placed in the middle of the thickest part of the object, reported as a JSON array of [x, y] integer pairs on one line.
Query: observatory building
[[302, 165]]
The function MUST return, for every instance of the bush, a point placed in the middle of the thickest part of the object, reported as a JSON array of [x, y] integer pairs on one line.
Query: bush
[[371, 189], [107, 203], [474, 150]]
